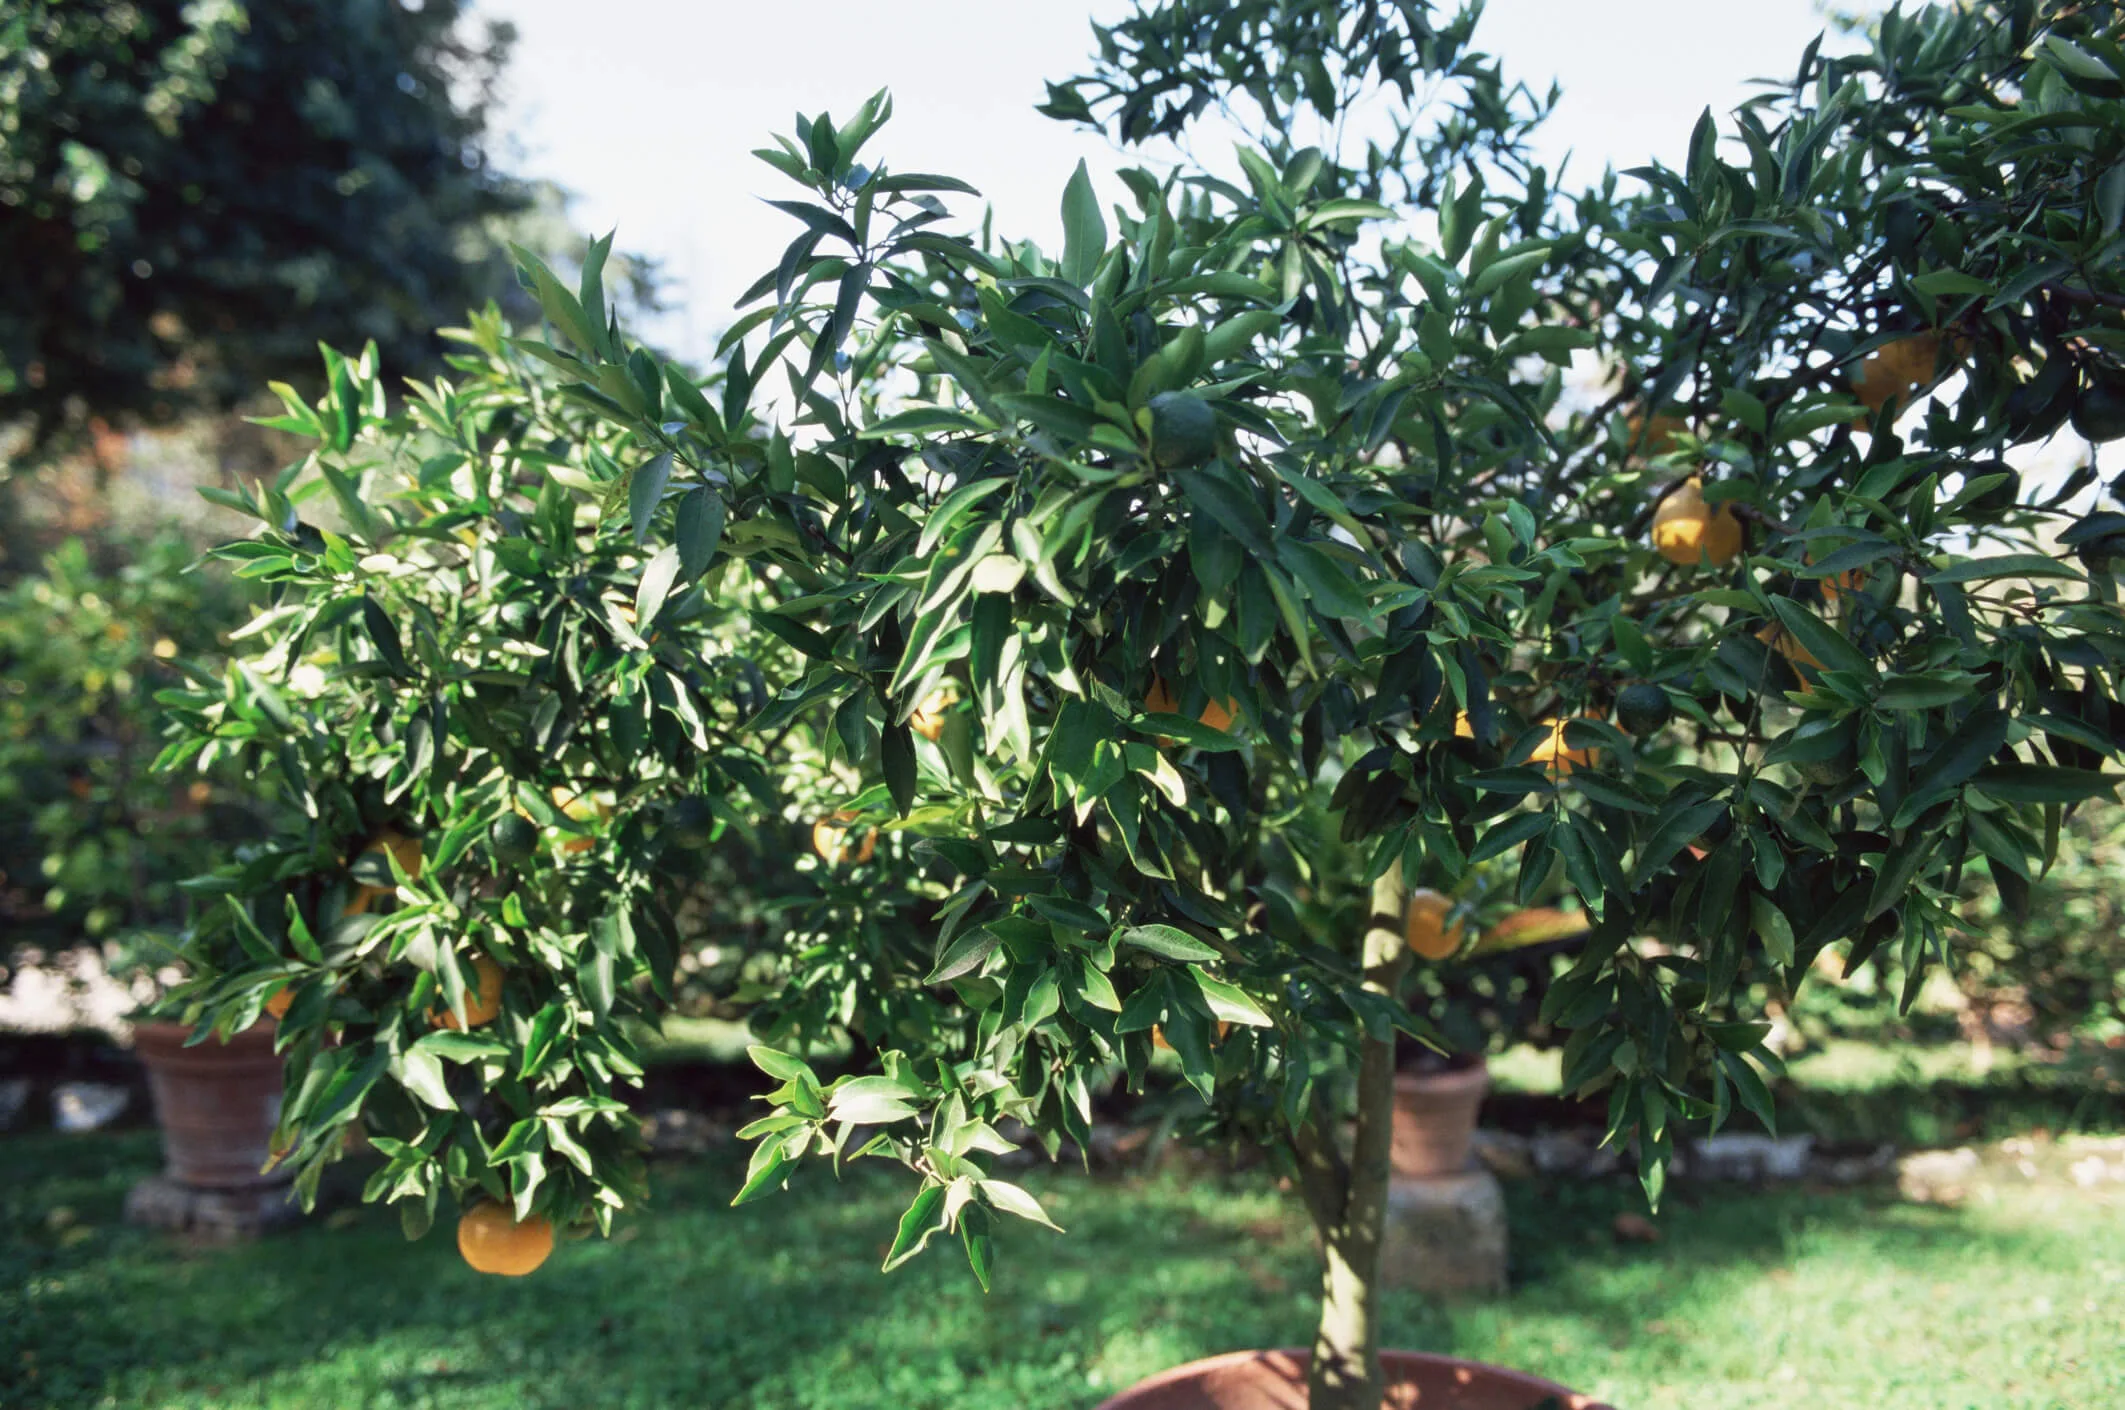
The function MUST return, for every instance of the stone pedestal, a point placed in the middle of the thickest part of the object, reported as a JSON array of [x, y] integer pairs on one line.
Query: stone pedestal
[[1445, 1234], [217, 1216]]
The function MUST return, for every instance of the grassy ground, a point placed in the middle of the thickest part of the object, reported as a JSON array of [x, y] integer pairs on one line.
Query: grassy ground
[[1821, 1299]]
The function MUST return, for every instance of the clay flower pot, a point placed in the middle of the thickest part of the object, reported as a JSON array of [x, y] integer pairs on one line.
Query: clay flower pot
[[1435, 1119], [217, 1104], [1276, 1380]]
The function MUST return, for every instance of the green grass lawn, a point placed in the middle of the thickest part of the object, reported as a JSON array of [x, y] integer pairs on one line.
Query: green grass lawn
[[1843, 1299]]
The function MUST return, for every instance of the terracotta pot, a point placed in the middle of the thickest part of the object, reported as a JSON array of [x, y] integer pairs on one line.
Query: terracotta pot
[[1276, 1380], [217, 1104], [1435, 1119]]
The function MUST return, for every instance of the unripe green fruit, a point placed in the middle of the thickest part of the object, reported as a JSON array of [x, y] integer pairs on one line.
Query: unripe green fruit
[[2001, 497], [2102, 555], [1832, 756], [690, 822], [2099, 411], [513, 838], [1183, 430], [1643, 708]]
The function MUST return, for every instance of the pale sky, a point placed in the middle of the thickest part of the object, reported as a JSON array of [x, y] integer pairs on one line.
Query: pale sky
[[648, 110]]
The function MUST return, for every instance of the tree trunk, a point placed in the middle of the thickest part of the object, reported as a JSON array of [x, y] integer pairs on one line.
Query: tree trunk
[[1348, 1202]]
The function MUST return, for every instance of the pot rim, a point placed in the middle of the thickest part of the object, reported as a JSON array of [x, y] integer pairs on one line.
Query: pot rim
[[1572, 1400], [157, 1041], [1455, 1079]]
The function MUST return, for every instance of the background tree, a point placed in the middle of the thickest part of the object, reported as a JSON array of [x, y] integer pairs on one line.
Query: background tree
[[1245, 510], [197, 194]]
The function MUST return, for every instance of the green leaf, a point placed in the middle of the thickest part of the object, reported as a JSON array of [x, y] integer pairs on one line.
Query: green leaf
[[1509, 834], [964, 955], [2005, 565], [1331, 589], [1822, 640], [1925, 692], [777, 1064], [1771, 927], [1229, 1002], [1084, 229], [657, 578], [385, 634], [646, 491], [1167, 943], [699, 531], [924, 1217], [1192, 733], [766, 1171], [897, 756], [419, 1072], [1677, 826], [1230, 507], [1947, 283], [461, 1047], [2042, 783], [1008, 1198], [869, 1101], [1898, 870], [1495, 275]]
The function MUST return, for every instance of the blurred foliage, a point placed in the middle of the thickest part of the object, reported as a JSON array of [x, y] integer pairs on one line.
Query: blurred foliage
[[92, 842], [198, 191], [2042, 972]]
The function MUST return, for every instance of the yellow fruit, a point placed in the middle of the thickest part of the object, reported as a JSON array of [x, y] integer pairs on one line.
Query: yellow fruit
[[1891, 372], [928, 719], [1462, 728], [407, 851], [830, 839], [1424, 925], [1557, 756], [494, 1242], [1686, 529], [482, 1004]]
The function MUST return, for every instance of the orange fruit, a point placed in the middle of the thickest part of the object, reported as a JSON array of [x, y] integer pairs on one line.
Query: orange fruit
[[1160, 701], [1851, 580], [1462, 728], [1654, 437], [482, 1004], [493, 1241], [928, 719], [1889, 373], [1557, 756], [407, 852], [830, 840], [278, 1005], [1787, 645], [1424, 925], [1687, 530], [1158, 1035]]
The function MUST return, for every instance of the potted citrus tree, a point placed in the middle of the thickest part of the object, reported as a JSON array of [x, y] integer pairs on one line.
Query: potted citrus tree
[[1218, 517]]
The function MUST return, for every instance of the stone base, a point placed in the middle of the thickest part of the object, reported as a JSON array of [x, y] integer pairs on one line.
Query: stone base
[[1446, 1234], [216, 1216]]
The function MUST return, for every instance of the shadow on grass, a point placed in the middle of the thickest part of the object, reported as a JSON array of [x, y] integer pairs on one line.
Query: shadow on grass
[[781, 1305]]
